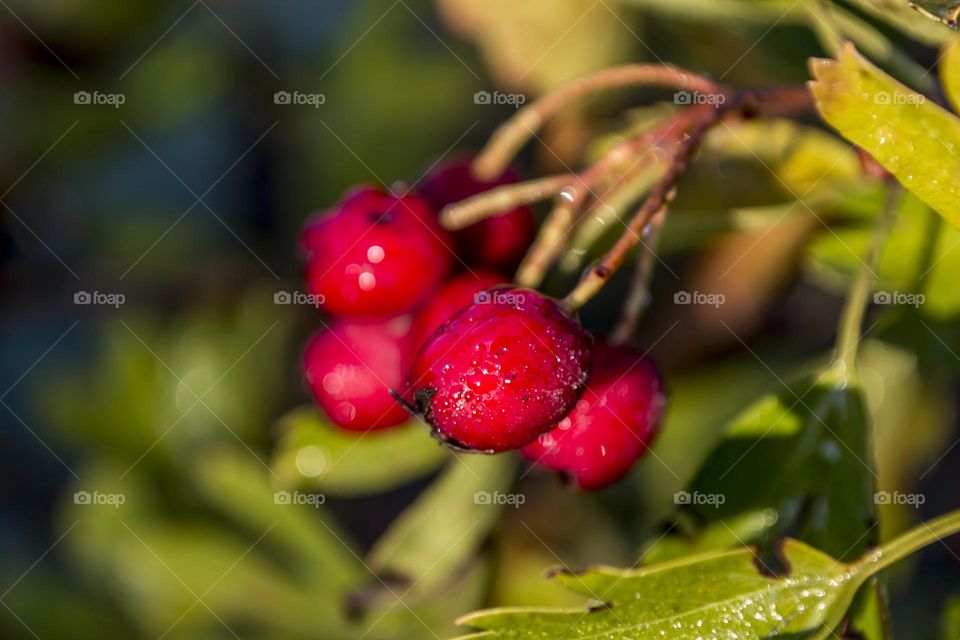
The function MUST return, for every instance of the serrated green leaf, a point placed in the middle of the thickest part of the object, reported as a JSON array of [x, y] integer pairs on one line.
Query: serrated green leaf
[[717, 595], [914, 139], [313, 452]]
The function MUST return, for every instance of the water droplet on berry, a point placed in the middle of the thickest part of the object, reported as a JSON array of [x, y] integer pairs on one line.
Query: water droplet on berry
[[367, 281], [375, 254]]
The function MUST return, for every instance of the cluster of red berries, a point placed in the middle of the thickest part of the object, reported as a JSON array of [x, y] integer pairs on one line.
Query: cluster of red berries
[[423, 320]]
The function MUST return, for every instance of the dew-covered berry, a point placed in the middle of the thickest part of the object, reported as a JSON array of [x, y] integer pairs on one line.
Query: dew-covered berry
[[375, 254], [497, 242], [502, 371], [456, 294], [351, 368], [611, 426]]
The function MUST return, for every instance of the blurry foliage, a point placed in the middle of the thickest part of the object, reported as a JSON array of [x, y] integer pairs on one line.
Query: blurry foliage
[[173, 400]]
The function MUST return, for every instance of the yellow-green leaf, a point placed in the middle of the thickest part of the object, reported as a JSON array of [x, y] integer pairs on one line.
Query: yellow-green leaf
[[914, 139]]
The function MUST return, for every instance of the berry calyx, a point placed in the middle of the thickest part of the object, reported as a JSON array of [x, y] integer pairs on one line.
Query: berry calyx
[[499, 241], [351, 368], [456, 294], [611, 426], [375, 254], [501, 371]]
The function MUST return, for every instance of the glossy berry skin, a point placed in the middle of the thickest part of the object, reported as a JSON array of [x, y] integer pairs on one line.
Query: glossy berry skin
[[351, 368], [456, 294], [375, 255], [497, 242], [501, 372], [612, 425]]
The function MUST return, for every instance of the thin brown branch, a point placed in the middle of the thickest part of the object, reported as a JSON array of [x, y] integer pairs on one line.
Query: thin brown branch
[[638, 297], [552, 239], [514, 133], [657, 202], [499, 200]]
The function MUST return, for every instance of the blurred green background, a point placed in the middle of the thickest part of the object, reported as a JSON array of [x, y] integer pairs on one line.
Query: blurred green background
[[173, 197]]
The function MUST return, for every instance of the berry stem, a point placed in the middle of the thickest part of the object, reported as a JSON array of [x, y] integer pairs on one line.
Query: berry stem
[[499, 200], [639, 296], [512, 135], [858, 298], [637, 152], [910, 542], [658, 201]]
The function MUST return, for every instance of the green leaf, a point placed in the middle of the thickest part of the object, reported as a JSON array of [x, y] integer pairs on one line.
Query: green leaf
[[950, 73], [914, 139], [913, 18], [716, 536], [809, 447], [313, 452], [945, 11], [441, 530], [803, 594], [718, 595]]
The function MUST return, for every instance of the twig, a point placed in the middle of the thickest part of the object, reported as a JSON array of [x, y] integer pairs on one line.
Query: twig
[[658, 200], [512, 135], [639, 296], [499, 200], [551, 240]]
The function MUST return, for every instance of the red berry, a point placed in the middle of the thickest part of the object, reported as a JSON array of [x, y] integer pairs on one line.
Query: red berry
[[497, 242], [502, 371], [351, 368], [612, 425], [456, 294], [375, 255]]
